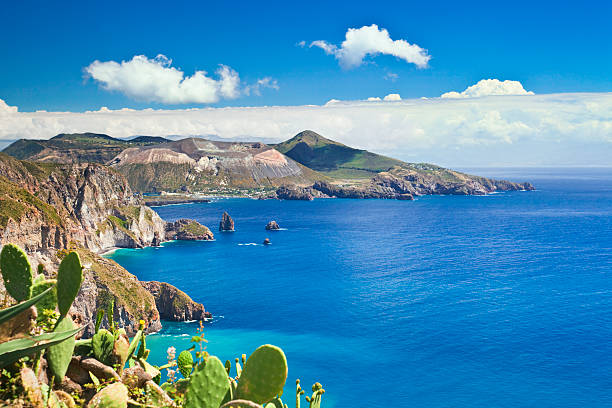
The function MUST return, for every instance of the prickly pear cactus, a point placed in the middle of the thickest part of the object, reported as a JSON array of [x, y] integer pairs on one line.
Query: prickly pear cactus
[[59, 355], [16, 272], [69, 278], [185, 363], [121, 350], [111, 396], [317, 392], [49, 301], [208, 385], [264, 374], [102, 343]]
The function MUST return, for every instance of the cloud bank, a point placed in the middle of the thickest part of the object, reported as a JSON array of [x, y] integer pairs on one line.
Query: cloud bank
[[487, 87], [367, 41], [155, 80], [552, 129]]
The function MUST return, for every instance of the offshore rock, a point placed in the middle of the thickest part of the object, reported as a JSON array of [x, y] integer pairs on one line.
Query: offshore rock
[[174, 304], [226, 224], [272, 226], [188, 230]]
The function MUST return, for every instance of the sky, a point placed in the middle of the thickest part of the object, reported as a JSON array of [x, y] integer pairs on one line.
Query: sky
[[506, 83]]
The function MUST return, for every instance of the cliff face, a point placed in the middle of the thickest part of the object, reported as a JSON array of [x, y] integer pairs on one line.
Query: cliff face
[[49, 207], [174, 304]]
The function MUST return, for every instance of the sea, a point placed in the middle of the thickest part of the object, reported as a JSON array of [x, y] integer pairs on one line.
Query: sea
[[502, 300]]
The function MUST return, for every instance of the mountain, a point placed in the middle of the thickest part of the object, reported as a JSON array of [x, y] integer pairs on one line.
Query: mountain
[[201, 165], [314, 165], [334, 159], [76, 147]]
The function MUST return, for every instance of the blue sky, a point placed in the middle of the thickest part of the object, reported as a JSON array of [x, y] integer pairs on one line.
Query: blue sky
[[549, 47], [454, 83]]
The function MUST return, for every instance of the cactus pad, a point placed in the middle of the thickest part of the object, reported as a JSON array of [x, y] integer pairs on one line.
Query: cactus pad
[[208, 385], [49, 301], [264, 374], [16, 272], [102, 343], [111, 396], [185, 363], [59, 355], [69, 278]]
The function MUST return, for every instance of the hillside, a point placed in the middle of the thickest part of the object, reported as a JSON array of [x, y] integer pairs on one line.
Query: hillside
[[201, 165], [76, 147], [334, 159], [306, 161]]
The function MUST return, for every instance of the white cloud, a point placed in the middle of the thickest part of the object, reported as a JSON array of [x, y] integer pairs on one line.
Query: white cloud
[[554, 129], [390, 76], [371, 41], [392, 97], [6, 109], [155, 80], [262, 83], [373, 99], [486, 87]]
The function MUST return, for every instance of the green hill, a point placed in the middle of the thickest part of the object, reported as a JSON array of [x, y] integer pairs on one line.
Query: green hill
[[335, 159]]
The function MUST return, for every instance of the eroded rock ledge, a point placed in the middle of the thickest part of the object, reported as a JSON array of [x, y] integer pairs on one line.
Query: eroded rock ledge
[[174, 304]]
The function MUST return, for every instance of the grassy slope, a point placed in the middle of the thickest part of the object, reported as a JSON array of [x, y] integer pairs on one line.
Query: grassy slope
[[334, 159]]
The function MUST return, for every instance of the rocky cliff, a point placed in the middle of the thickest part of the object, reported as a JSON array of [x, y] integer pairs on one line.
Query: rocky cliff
[[47, 208], [173, 304]]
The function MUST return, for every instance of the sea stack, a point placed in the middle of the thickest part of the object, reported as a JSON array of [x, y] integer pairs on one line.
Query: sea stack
[[272, 226], [226, 224]]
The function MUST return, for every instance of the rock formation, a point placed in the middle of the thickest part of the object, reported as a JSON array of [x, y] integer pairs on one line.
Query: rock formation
[[272, 225], [293, 193], [188, 230], [174, 304], [226, 224]]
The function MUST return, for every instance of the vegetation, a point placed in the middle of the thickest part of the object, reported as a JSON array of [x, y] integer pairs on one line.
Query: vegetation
[[15, 202], [110, 369], [334, 159]]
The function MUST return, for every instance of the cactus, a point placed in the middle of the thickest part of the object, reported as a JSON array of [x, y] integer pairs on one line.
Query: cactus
[[228, 366], [111, 396], [59, 355], [185, 363], [13, 350], [136, 339], [49, 301], [10, 312], [111, 314], [102, 343], [208, 385], [264, 374], [99, 317], [16, 272], [238, 368], [298, 393], [69, 278], [275, 403], [317, 393], [121, 350], [239, 403]]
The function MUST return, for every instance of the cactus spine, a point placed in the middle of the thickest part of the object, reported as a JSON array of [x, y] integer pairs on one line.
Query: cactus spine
[[16, 272], [317, 393], [264, 375]]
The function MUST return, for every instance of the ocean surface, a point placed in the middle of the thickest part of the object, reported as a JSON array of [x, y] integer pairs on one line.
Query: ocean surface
[[447, 301]]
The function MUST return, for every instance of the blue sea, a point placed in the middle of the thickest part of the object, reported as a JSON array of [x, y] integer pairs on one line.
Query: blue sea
[[502, 300]]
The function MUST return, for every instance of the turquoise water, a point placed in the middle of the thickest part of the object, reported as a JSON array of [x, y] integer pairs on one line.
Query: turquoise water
[[496, 301]]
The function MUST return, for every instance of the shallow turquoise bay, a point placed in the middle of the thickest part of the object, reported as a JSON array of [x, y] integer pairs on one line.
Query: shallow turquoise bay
[[496, 301]]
